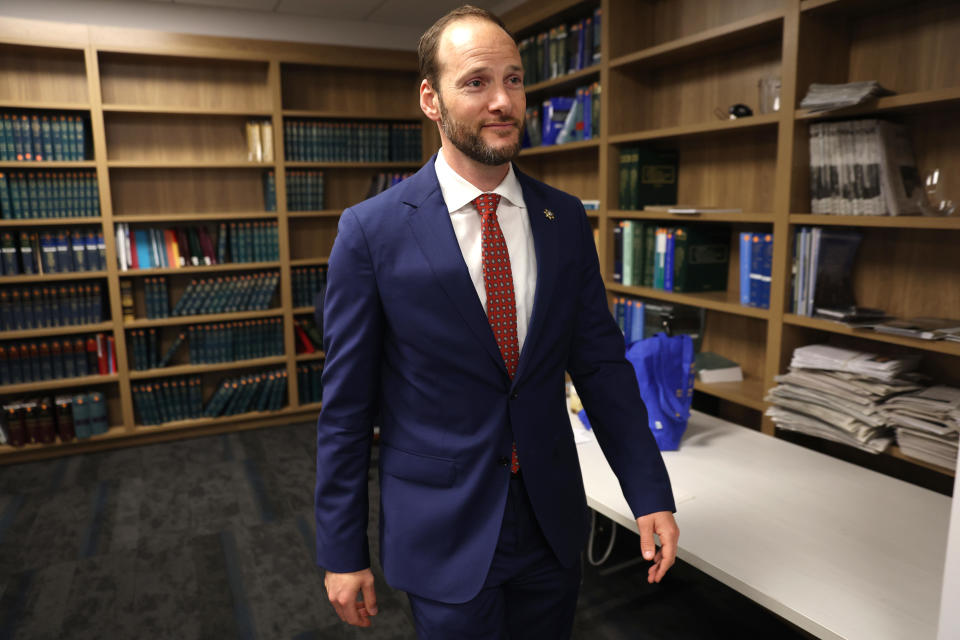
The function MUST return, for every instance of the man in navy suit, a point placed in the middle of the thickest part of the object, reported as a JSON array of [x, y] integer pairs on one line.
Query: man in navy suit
[[455, 302]]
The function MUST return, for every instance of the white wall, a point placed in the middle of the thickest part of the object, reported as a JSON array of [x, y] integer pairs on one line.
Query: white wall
[[180, 18], [950, 601]]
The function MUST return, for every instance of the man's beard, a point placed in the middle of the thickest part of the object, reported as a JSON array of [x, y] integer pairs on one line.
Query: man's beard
[[472, 145]]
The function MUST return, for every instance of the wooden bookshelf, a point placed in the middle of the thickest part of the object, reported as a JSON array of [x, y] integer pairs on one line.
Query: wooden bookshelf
[[668, 65], [166, 116]]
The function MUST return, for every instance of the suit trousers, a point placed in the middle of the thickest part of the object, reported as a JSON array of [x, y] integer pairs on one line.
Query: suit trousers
[[527, 595]]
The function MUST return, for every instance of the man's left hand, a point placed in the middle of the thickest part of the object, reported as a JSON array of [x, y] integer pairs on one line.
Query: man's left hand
[[662, 524]]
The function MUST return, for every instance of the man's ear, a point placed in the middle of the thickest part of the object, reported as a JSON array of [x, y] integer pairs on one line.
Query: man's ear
[[429, 101]]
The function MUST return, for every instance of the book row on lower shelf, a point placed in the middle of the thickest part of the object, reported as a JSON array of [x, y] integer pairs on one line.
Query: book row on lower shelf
[[224, 294], [563, 119], [51, 252], [42, 307], [195, 246], [33, 136], [308, 140], [309, 388], [209, 343], [868, 401], [49, 194], [45, 420], [307, 283], [641, 318], [173, 399], [54, 359]]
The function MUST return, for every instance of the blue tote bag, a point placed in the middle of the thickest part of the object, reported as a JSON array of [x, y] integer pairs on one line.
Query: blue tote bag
[[664, 368]]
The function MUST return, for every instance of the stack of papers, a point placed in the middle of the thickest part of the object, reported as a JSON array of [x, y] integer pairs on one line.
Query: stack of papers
[[870, 365], [835, 405], [927, 424], [825, 97]]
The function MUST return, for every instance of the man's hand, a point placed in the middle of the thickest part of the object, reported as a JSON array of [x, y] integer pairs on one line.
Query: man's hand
[[342, 589], [663, 524]]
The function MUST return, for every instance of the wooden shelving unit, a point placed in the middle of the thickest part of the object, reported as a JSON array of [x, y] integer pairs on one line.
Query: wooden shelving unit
[[668, 65], [166, 118]]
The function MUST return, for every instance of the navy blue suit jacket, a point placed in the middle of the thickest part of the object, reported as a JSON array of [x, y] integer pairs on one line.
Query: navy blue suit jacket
[[406, 338]]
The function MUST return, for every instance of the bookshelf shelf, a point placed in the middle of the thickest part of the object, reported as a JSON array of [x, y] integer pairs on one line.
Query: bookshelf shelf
[[725, 301], [936, 346], [326, 213], [49, 222], [202, 422], [744, 218], [915, 102], [889, 222], [717, 126], [60, 383], [213, 268], [175, 110], [212, 317], [42, 105], [30, 451], [48, 277], [309, 262], [191, 369], [190, 217], [738, 34], [56, 331], [49, 164], [569, 147], [567, 81], [301, 310], [311, 357], [351, 165], [343, 115], [146, 164], [749, 392], [895, 452]]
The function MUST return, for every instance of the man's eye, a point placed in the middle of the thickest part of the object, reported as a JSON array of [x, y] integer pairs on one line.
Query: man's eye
[[516, 80], [473, 83]]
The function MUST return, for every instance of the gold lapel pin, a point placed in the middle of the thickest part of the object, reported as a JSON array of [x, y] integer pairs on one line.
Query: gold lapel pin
[[549, 214]]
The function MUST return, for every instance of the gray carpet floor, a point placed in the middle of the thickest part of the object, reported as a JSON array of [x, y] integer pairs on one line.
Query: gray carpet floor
[[213, 538]]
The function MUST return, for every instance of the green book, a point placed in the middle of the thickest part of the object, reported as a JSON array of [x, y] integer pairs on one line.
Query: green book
[[172, 349], [701, 256], [81, 416], [98, 413], [656, 177], [712, 367]]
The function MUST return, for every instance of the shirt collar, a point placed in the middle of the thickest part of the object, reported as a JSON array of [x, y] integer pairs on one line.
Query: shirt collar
[[458, 193]]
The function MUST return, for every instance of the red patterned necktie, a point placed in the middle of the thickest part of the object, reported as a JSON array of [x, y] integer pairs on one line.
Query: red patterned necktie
[[498, 282]]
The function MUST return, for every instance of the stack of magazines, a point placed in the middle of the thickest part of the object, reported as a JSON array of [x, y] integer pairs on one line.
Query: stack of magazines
[[836, 394], [826, 97], [927, 424]]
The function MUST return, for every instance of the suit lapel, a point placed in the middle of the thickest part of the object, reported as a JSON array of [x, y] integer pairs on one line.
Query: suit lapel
[[430, 223], [545, 231]]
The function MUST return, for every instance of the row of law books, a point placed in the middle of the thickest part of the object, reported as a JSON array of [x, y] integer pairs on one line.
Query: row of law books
[[209, 343], [25, 308], [305, 190], [382, 181], [863, 167], [563, 119], [563, 49], [351, 141], [55, 359], [168, 400], [52, 252], [649, 317], [647, 176], [269, 191], [193, 246], [685, 259], [307, 283], [35, 137], [309, 385], [44, 420], [309, 338], [26, 195], [259, 141], [156, 297], [227, 294]]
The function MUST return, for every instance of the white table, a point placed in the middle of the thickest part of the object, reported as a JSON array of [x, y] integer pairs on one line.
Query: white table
[[839, 550]]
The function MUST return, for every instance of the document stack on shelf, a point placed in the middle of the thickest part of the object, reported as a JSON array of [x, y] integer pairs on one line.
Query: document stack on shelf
[[922, 328], [927, 423], [826, 97], [836, 394]]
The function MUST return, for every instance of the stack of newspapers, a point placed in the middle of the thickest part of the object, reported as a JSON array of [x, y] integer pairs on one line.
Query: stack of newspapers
[[927, 424], [836, 394], [825, 97]]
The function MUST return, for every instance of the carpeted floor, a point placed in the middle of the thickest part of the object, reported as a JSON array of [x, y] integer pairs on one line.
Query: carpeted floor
[[213, 538]]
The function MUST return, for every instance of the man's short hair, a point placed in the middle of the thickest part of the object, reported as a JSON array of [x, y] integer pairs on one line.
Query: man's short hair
[[430, 40]]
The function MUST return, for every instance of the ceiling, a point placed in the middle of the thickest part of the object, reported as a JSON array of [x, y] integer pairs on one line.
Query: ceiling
[[410, 13]]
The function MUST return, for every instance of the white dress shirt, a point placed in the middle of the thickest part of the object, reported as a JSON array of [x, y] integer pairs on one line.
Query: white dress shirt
[[458, 194]]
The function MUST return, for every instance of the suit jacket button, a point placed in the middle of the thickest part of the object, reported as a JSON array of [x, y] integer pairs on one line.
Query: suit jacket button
[[503, 461], [514, 395]]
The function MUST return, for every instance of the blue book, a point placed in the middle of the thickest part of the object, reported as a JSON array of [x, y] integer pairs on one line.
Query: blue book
[[636, 331], [144, 255], [668, 262], [766, 267], [745, 269], [555, 111], [756, 270], [627, 319]]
